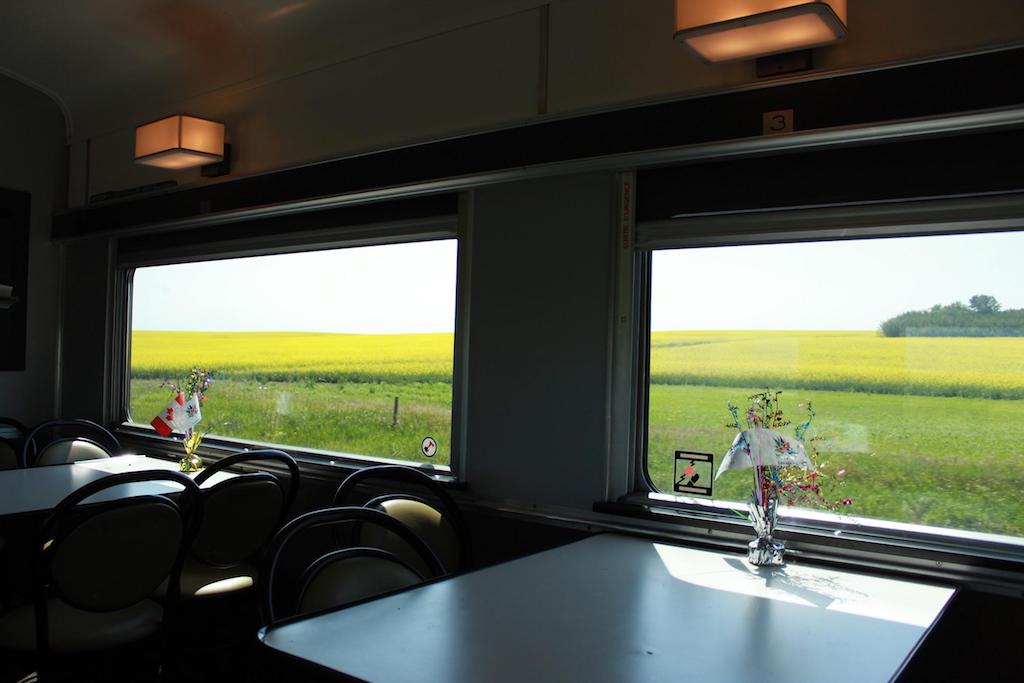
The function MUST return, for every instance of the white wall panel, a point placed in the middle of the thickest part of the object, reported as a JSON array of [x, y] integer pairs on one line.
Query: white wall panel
[[34, 160], [612, 52], [480, 77], [539, 330], [603, 53]]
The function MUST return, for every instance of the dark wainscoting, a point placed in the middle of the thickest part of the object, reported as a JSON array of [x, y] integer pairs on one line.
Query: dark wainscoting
[[14, 239]]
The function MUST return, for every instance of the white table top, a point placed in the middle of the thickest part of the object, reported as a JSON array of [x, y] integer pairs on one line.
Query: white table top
[[617, 608], [38, 489]]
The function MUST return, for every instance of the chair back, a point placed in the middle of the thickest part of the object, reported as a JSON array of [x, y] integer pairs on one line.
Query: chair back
[[345, 576], [437, 521], [241, 514], [12, 435], [107, 556], [9, 459], [57, 442], [340, 565], [424, 520], [69, 450], [96, 565]]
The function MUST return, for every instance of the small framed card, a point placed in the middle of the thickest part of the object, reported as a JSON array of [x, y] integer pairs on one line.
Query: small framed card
[[693, 473]]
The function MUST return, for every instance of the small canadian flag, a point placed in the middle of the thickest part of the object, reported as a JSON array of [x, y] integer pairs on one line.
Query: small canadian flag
[[179, 415]]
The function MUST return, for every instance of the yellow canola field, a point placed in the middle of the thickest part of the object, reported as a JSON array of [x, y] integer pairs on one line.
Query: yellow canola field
[[991, 367], [283, 356], [842, 361]]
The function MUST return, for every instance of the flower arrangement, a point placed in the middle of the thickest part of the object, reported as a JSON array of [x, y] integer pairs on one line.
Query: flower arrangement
[[184, 412], [795, 483], [785, 469], [196, 384]]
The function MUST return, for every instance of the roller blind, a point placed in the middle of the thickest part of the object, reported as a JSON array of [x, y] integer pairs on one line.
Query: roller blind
[[420, 218]]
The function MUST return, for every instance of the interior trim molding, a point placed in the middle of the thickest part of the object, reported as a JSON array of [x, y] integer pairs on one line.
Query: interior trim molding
[[924, 99], [57, 99]]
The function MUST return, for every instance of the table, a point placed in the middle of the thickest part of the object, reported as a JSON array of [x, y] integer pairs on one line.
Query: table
[[39, 489], [619, 608]]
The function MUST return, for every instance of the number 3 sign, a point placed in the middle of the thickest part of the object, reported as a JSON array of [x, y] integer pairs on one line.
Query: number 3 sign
[[775, 122]]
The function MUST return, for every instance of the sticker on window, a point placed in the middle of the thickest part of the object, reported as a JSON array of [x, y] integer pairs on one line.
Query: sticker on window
[[693, 473]]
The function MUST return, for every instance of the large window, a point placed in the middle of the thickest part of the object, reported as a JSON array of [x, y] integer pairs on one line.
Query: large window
[[344, 350], [910, 350]]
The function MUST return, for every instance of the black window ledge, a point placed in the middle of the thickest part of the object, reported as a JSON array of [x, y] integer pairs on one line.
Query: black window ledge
[[314, 464], [979, 561]]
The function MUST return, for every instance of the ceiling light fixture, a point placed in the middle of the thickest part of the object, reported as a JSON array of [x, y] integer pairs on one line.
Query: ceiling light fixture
[[730, 30], [179, 141]]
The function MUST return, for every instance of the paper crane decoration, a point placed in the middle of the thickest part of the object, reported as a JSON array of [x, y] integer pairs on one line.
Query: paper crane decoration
[[760, 447]]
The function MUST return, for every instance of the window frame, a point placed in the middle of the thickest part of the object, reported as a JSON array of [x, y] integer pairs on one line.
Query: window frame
[[814, 533], [404, 231]]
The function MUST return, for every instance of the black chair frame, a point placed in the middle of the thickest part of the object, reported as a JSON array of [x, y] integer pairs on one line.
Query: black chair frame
[[63, 520], [330, 517], [288, 493], [409, 475], [266, 454], [16, 443], [30, 450], [11, 422]]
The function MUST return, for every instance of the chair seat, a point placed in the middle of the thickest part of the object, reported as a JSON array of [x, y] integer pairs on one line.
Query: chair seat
[[200, 580], [74, 630]]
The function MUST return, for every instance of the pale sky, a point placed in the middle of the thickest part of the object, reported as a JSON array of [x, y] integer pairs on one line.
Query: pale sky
[[849, 285], [367, 290]]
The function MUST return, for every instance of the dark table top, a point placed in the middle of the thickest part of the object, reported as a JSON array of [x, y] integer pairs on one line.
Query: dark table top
[[617, 608]]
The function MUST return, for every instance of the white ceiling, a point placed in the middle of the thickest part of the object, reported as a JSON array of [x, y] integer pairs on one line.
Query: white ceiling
[[103, 56]]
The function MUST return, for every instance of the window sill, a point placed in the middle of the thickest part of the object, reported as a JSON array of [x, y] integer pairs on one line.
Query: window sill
[[986, 561], [323, 465]]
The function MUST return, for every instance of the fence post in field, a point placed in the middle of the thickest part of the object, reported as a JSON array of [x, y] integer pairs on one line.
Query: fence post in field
[[394, 414]]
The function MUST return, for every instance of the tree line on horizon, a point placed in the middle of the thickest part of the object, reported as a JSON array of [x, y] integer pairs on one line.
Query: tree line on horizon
[[982, 316]]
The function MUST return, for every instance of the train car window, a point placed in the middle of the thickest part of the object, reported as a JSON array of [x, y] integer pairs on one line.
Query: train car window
[[345, 350], [900, 363]]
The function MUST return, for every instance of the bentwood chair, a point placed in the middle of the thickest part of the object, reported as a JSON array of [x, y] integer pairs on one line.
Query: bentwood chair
[[95, 568], [340, 577], [58, 442], [12, 435], [437, 521], [240, 516]]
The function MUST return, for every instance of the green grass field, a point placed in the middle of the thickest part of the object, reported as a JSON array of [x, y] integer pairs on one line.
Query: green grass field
[[929, 430], [344, 417], [953, 462], [333, 392]]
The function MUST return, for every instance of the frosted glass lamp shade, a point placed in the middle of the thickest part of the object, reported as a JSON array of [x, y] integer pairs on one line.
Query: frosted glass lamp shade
[[729, 30], [179, 141]]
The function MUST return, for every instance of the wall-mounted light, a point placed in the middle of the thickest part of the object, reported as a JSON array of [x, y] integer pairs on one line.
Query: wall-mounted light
[[179, 141], [728, 30]]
